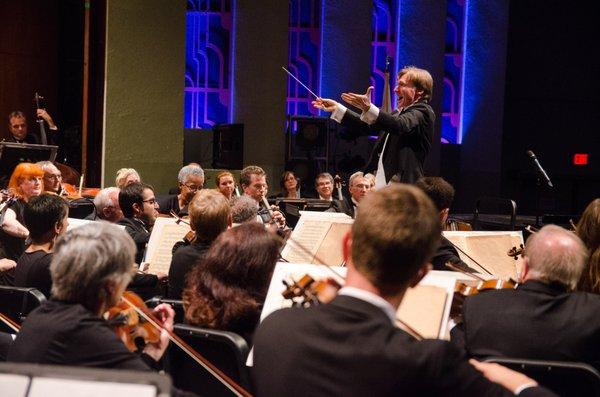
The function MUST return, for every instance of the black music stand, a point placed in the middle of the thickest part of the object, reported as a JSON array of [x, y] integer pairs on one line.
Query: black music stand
[[12, 153]]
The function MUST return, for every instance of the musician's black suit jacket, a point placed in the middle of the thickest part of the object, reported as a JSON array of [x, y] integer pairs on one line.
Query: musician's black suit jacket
[[351, 348], [535, 321], [410, 136]]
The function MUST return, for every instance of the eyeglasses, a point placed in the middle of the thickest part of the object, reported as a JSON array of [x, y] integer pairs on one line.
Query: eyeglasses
[[193, 187], [51, 176], [151, 201]]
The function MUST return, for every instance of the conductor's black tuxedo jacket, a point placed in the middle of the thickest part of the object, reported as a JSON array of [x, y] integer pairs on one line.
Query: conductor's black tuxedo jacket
[[410, 136]]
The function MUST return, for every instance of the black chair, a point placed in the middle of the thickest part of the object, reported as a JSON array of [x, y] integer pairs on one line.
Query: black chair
[[17, 302], [494, 213], [176, 304], [564, 378], [225, 350], [81, 208]]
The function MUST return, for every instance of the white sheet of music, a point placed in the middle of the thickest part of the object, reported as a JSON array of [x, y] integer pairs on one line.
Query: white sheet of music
[[165, 233], [490, 249], [74, 222], [55, 387], [310, 232]]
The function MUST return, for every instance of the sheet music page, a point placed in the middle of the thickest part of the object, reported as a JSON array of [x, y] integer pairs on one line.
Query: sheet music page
[[165, 233], [331, 251], [310, 232], [490, 250], [75, 222], [422, 308]]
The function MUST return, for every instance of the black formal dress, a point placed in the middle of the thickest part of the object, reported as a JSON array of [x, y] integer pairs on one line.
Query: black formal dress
[[183, 261], [535, 321], [410, 136], [68, 334], [12, 247], [33, 270], [169, 203], [350, 347]]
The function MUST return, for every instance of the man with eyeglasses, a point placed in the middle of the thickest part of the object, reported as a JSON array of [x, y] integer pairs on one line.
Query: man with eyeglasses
[[52, 177], [191, 180], [140, 210]]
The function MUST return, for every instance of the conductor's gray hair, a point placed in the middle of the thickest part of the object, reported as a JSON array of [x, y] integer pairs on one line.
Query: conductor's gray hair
[[86, 259], [556, 255], [189, 170], [103, 200]]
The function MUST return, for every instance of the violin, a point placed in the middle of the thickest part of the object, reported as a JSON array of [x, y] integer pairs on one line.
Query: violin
[[514, 252], [129, 326], [307, 291], [464, 289], [146, 320], [190, 236]]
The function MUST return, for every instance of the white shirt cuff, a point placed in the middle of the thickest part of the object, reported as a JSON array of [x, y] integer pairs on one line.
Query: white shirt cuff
[[370, 116], [339, 112], [524, 386]]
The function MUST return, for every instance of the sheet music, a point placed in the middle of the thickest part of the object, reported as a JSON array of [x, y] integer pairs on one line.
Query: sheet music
[[165, 233], [312, 230], [490, 250], [75, 222]]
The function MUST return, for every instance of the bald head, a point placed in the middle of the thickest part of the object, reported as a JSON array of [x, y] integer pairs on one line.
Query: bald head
[[555, 255]]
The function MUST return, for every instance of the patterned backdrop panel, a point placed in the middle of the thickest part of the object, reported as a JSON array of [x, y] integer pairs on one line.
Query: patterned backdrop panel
[[304, 55], [207, 96]]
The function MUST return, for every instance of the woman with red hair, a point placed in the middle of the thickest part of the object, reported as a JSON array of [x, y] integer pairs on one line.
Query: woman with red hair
[[25, 182]]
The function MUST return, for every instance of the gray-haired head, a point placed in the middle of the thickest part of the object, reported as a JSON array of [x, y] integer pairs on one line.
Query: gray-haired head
[[91, 263], [555, 254], [353, 177], [243, 209], [189, 170], [106, 198]]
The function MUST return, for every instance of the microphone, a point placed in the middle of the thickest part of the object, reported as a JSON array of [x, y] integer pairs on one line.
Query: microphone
[[539, 168]]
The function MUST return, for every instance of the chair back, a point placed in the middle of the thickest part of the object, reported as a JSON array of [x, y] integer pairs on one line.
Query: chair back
[[17, 302], [494, 213], [225, 350], [564, 378], [176, 304]]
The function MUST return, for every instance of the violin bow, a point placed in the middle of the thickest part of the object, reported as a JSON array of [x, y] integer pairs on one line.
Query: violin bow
[[10, 323], [470, 257], [207, 365]]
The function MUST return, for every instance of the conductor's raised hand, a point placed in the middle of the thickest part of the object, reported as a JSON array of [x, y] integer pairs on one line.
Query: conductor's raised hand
[[361, 101], [326, 104]]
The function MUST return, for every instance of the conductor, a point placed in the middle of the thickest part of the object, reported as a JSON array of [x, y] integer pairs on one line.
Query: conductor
[[406, 133]]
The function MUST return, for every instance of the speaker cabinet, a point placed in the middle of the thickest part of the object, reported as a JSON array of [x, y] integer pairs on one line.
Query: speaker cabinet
[[228, 146]]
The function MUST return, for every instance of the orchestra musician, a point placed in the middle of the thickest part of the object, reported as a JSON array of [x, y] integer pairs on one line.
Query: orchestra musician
[[351, 346], [17, 125], [358, 186], [253, 181], [91, 267], [502, 322], [442, 195], [588, 229], [210, 215], [46, 218], [25, 182], [225, 184], [324, 187], [52, 178], [191, 180], [126, 176], [289, 185], [228, 287]]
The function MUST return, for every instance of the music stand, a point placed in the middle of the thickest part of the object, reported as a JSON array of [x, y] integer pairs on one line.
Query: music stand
[[12, 153]]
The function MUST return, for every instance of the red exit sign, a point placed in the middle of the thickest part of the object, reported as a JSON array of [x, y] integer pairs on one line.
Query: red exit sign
[[580, 159]]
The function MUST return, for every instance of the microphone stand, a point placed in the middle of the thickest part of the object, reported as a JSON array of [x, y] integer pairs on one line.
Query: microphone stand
[[538, 201]]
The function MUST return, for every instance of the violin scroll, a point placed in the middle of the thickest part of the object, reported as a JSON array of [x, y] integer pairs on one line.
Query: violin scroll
[[307, 291], [514, 252]]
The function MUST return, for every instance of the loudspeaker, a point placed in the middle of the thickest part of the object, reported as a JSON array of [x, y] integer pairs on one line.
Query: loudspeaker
[[308, 137], [228, 146]]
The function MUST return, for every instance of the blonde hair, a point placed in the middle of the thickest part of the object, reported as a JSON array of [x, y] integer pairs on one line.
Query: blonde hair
[[421, 78], [209, 214], [122, 175]]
